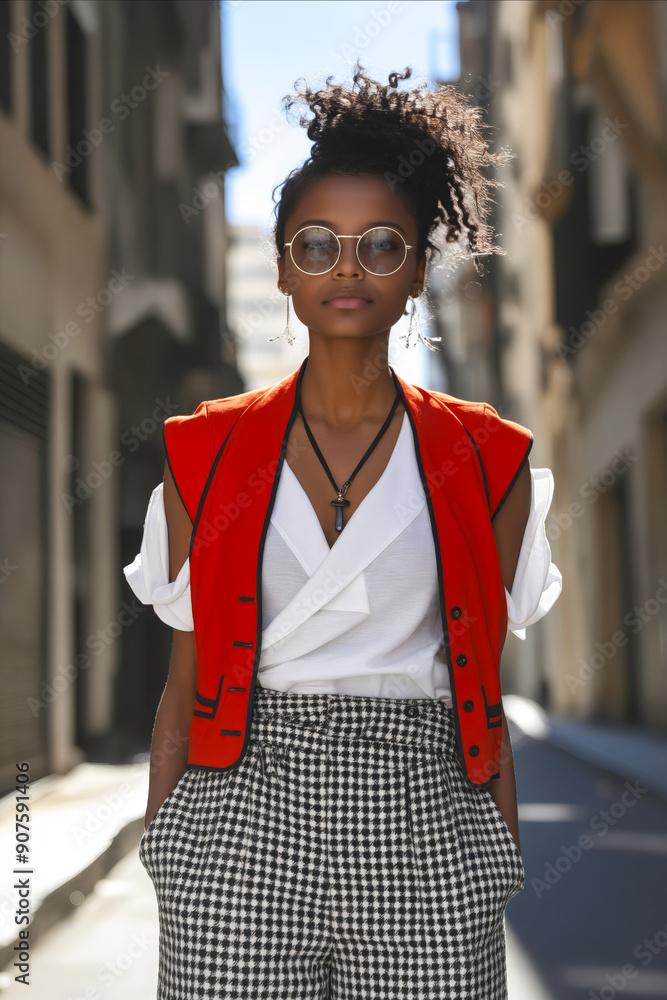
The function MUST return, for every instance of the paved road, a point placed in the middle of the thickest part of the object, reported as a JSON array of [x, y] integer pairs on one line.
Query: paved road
[[591, 923], [593, 915]]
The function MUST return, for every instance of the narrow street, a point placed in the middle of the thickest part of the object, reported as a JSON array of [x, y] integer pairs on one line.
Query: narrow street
[[594, 845]]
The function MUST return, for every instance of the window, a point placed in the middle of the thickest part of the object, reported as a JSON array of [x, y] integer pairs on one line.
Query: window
[[38, 55], [6, 55], [76, 105]]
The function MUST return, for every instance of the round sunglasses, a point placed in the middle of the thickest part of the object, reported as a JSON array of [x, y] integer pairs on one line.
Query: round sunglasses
[[316, 249]]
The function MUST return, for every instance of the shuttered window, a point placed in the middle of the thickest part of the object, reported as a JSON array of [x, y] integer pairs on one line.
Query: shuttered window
[[24, 424]]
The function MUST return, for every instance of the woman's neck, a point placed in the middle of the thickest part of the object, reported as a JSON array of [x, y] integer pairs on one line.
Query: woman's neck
[[344, 384]]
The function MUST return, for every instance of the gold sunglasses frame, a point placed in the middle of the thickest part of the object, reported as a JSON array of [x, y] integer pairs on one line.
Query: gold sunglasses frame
[[345, 236]]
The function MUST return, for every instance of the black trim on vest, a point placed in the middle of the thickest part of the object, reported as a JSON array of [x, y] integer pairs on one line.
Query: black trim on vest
[[166, 455], [514, 477], [260, 560], [481, 465], [258, 599], [207, 486], [441, 584], [493, 712], [211, 702]]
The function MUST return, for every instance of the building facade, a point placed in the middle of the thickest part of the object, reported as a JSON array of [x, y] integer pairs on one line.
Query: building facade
[[112, 317], [565, 332]]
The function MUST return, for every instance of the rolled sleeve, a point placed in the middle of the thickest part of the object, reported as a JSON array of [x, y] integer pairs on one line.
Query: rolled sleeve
[[537, 582], [148, 574]]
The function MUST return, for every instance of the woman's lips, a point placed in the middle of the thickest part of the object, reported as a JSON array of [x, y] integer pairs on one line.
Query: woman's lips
[[347, 303]]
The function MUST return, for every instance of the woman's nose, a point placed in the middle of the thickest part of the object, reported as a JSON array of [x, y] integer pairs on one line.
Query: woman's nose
[[347, 262]]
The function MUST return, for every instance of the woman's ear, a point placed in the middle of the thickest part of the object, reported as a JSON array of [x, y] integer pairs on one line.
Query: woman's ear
[[418, 281]]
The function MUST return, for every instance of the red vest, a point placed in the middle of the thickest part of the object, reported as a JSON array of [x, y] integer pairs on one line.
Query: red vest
[[226, 460]]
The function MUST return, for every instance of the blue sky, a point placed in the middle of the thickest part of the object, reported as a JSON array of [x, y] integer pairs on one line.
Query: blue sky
[[268, 45]]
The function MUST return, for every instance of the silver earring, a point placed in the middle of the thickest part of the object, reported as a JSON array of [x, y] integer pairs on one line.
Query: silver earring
[[429, 342], [286, 332], [412, 316]]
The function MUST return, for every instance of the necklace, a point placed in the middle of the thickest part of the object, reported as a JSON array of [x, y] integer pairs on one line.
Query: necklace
[[340, 502]]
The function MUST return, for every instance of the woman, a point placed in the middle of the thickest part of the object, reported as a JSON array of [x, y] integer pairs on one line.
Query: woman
[[332, 807]]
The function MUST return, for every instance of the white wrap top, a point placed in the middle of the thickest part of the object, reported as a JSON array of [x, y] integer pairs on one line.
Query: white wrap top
[[378, 634]]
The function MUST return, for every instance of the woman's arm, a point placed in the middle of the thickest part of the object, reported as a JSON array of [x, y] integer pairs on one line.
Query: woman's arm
[[169, 745], [509, 527]]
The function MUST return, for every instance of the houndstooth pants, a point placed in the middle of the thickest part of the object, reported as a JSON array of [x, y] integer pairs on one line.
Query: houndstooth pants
[[345, 858]]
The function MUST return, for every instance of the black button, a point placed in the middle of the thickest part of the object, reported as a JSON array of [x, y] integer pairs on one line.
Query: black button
[[462, 659], [474, 750], [468, 706], [412, 712], [456, 612]]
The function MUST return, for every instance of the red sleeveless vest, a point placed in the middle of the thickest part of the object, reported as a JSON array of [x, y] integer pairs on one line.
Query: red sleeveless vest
[[226, 460]]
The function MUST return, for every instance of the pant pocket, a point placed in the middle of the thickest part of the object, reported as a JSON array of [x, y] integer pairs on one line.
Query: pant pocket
[[503, 832], [492, 868], [408, 811], [181, 790]]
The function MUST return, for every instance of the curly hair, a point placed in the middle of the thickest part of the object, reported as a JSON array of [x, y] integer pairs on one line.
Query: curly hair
[[428, 145]]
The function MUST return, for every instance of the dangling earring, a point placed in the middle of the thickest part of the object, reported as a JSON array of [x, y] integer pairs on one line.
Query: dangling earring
[[412, 316], [287, 333], [429, 342]]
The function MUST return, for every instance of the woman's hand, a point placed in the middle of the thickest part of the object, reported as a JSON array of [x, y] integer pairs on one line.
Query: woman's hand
[[169, 745], [503, 789]]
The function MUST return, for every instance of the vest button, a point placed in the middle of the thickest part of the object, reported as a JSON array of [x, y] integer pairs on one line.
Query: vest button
[[468, 706], [474, 750], [462, 659], [456, 612]]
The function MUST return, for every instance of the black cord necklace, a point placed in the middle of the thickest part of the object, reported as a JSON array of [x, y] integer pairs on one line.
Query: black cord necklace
[[340, 500]]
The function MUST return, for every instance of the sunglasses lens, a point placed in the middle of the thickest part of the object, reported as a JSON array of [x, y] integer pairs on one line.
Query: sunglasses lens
[[315, 250], [382, 251]]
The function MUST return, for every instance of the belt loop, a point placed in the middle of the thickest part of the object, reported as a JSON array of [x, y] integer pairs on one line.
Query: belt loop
[[266, 754]]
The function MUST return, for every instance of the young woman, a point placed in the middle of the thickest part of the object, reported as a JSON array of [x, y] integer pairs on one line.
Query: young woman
[[332, 808]]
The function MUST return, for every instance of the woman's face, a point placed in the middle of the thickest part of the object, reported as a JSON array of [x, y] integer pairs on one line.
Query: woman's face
[[351, 205]]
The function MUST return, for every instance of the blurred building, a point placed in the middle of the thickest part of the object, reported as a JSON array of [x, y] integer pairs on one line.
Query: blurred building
[[258, 310], [565, 332], [113, 151]]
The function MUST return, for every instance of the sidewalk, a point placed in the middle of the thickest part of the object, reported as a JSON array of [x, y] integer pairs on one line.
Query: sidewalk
[[81, 824], [633, 752]]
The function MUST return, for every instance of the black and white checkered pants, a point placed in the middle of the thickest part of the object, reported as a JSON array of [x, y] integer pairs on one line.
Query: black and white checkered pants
[[345, 858]]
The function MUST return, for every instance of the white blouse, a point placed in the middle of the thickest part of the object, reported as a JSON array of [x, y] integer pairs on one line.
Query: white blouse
[[361, 617]]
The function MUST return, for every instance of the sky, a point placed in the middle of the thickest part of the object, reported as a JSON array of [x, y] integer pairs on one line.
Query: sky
[[267, 46]]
